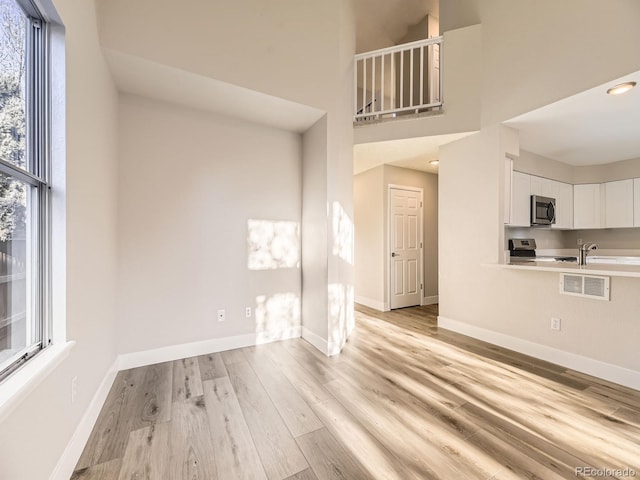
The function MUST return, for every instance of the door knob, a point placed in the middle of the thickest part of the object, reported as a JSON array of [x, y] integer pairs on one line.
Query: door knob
[[394, 254]]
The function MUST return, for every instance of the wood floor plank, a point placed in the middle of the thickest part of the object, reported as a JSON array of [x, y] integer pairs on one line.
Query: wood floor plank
[[328, 460], [314, 364], [187, 381], [517, 464], [360, 443], [629, 415], [192, 455], [278, 451], [295, 412], [235, 453], [109, 436], [233, 356], [102, 471], [211, 366], [427, 454], [304, 475], [154, 396], [308, 386], [148, 454]]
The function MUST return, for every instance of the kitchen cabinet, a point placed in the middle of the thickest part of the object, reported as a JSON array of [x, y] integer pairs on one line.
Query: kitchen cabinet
[[563, 193], [520, 200], [588, 206], [618, 204], [636, 202], [541, 186]]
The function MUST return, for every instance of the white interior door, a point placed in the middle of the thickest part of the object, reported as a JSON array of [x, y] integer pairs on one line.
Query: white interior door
[[405, 262]]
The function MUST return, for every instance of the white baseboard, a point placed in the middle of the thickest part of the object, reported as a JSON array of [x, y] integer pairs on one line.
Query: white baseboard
[[375, 304], [184, 350], [430, 300], [590, 366], [315, 340], [69, 459]]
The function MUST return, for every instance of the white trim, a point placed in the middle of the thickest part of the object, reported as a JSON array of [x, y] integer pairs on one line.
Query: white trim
[[184, 350], [315, 340], [18, 385], [430, 300], [597, 368], [69, 459], [375, 304]]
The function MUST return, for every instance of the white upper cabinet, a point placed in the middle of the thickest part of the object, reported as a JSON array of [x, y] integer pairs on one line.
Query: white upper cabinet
[[636, 202], [563, 193], [520, 200], [588, 206], [618, 204]]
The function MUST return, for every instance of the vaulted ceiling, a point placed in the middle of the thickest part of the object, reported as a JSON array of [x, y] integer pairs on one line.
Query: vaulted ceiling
[[382, 23]]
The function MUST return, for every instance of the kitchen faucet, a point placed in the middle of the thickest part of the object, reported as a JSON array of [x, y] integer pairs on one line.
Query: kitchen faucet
[[584, 251]]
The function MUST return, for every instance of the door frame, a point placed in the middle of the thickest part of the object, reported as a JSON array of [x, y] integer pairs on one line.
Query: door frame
[[388, 265]]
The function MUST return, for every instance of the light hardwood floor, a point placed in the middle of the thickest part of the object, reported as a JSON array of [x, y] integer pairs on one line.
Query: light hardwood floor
[[404, 400]]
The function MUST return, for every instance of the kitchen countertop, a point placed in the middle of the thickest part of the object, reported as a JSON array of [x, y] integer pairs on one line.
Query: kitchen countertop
[[613, 270]]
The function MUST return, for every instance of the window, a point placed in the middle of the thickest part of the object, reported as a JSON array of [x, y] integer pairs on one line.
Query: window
[[24, 190]]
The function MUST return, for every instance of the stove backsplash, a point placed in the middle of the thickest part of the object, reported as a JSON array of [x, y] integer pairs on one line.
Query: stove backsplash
[[546, 239]]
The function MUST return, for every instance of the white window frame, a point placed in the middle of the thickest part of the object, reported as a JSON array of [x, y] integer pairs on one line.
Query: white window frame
[[37, 174]]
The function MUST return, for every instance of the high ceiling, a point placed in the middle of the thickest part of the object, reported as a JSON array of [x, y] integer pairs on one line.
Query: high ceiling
[[383, 23], [588, 128]]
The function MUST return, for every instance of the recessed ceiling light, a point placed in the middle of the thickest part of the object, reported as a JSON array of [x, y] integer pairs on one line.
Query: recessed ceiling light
[[434, 162], [622, 88]]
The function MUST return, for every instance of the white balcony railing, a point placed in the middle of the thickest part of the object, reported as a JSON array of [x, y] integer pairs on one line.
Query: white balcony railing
[[398, 80]]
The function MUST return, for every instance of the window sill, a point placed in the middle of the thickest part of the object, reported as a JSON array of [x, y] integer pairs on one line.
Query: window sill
[[15, 388]]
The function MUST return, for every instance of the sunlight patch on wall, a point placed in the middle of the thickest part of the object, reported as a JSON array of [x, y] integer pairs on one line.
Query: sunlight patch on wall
[[277, 317], [273, 245], [341, 315], [343, 246]]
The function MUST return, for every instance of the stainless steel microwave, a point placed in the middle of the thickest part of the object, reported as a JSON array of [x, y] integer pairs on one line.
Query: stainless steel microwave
[[543, 210]]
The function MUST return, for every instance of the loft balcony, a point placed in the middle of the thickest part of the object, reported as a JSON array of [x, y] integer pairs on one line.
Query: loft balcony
[[398, 81]]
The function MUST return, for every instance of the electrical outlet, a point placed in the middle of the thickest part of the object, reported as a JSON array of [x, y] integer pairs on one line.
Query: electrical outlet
[[74, 389], [247, 312], [221, 315], [555, 323], [579, 242]]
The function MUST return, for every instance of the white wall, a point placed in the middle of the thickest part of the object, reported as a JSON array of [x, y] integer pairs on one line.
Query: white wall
[[189, 184], [285, 48], [315, 228], [370, 231], [299, 51], [535, 52], [34, 436]]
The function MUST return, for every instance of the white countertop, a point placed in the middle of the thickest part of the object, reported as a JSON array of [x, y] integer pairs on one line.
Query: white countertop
[[569, 267]]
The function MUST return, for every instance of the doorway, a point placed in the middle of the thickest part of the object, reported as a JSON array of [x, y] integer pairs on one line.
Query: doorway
[[405, 262]]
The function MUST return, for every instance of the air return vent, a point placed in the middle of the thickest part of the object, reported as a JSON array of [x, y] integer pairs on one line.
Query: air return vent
[[588, 286]]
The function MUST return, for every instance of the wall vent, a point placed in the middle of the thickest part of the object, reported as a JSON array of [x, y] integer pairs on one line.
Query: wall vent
[[589, 286]]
